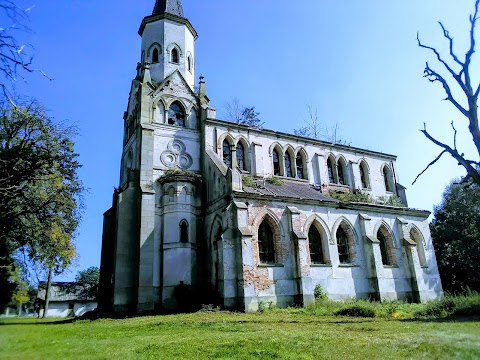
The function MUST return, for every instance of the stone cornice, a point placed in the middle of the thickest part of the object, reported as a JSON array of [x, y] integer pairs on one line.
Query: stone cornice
[[167, 16], [300, 138], [363, 207]]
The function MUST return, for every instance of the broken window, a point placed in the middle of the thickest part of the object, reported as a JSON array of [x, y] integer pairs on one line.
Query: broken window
[[276, 163], [315, 246], [299, 163], [331, 166], [265, 243], [343, 246], [227, 153], [240, 156], [288, 165], [176, 115]]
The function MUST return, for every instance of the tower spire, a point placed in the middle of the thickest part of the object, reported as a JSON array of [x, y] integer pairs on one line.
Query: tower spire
[[173, 7]]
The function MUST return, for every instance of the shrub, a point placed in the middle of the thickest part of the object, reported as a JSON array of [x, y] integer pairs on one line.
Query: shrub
[[356, 310], [274, 181], [468, 305], [319, 293], [248, 181]]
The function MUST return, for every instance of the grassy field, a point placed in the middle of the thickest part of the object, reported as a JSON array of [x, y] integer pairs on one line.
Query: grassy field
[[221, 335]]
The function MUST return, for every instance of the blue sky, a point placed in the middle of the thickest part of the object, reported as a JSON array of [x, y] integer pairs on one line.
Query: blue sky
[[357, 62]]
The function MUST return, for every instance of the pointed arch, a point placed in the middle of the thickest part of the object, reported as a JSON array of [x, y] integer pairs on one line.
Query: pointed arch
[[417, 236], [342, 171], [177, 114], [318, 241], [344, 236], [332, 169], [301, 160], [262, 241], [170, 52], [243, 153], [190, 64], [184, 229], [364, 174], [387, 174], [154, 52], [276, 153], [385, 236], [289, 161]]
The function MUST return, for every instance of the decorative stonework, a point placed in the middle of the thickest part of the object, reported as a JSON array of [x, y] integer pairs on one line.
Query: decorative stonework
[[175, 157]]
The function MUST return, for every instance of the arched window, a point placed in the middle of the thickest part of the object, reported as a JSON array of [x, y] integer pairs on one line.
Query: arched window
[[189, 61], [343, 245], [331, 167], [276, 163], [227, 153], [364, 175], [416, 236], [386, 179], [386, 246], [288, 165], [176, 115], [315, 246], [155, 55], [184, 231], [299, 163], [265, 243], [240, 156], [341, 171], [175, 56]]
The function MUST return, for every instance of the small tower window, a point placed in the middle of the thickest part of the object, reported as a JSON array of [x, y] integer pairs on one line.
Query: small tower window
[[240, 156], [189, 61], [265, 244], [175, 56], [288, 165], [176, 115], [227, 153], [184, 231], [276, 163], [155, 56]]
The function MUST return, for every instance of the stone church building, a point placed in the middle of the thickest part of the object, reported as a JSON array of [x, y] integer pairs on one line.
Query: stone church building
[[243, 214]]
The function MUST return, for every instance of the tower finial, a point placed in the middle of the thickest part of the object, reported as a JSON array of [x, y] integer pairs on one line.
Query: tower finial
[[173, 7]]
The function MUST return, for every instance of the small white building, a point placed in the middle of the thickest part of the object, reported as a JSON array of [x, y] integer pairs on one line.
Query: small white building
[[65, 300], [197, 202]]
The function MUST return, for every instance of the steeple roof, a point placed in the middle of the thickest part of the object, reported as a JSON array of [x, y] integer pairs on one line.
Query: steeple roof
[[173, 7]]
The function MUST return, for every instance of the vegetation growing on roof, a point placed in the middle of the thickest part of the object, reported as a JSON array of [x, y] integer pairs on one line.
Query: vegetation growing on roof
[[274, 181], [248, 181]]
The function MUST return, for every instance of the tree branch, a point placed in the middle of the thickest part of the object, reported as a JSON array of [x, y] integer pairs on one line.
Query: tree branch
[[431, 163]]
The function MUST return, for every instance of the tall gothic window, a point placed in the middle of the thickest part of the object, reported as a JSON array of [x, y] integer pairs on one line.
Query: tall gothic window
[[383, 248], [184, 231], [364, 175], [276, 163], [386, 246], [343, 246], [240, 156], [175, 56], [288, 165], [227, 153], [386, 179], [176, 115], [299, 163], [331, 166], [315, 246], [265, 243], [155, 55], [341, 173]]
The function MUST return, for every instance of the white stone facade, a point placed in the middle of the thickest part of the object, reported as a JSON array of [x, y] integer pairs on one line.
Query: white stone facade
[[192, 208]]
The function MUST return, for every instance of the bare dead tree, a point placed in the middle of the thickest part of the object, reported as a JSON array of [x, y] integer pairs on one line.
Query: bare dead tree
[[315, 130], [234, 111], [15, 58], [462, 78]]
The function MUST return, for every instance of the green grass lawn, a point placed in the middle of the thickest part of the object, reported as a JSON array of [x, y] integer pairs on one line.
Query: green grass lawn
[[222, 335]]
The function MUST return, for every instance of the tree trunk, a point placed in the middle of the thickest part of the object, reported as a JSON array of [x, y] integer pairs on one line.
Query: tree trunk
[[47, 292]]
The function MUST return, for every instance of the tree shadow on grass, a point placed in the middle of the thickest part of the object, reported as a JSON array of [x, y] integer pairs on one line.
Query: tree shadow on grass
[[446, 319], [37, 322]]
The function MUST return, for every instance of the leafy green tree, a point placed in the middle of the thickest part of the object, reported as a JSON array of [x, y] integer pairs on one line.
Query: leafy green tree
[[456, 236], [88, 281], [40, 192], [7, 285]]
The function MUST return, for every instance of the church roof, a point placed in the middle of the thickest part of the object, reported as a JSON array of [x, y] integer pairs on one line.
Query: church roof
[[289, 189], [173, 7]]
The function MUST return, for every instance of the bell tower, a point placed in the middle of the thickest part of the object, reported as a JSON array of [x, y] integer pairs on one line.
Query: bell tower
[[168, 42]]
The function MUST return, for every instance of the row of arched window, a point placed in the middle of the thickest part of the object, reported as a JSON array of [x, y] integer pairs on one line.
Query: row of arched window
[[318, 244], [155, 50]]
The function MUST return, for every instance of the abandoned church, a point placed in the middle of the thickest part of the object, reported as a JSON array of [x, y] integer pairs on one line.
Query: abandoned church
[[246, 215]]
